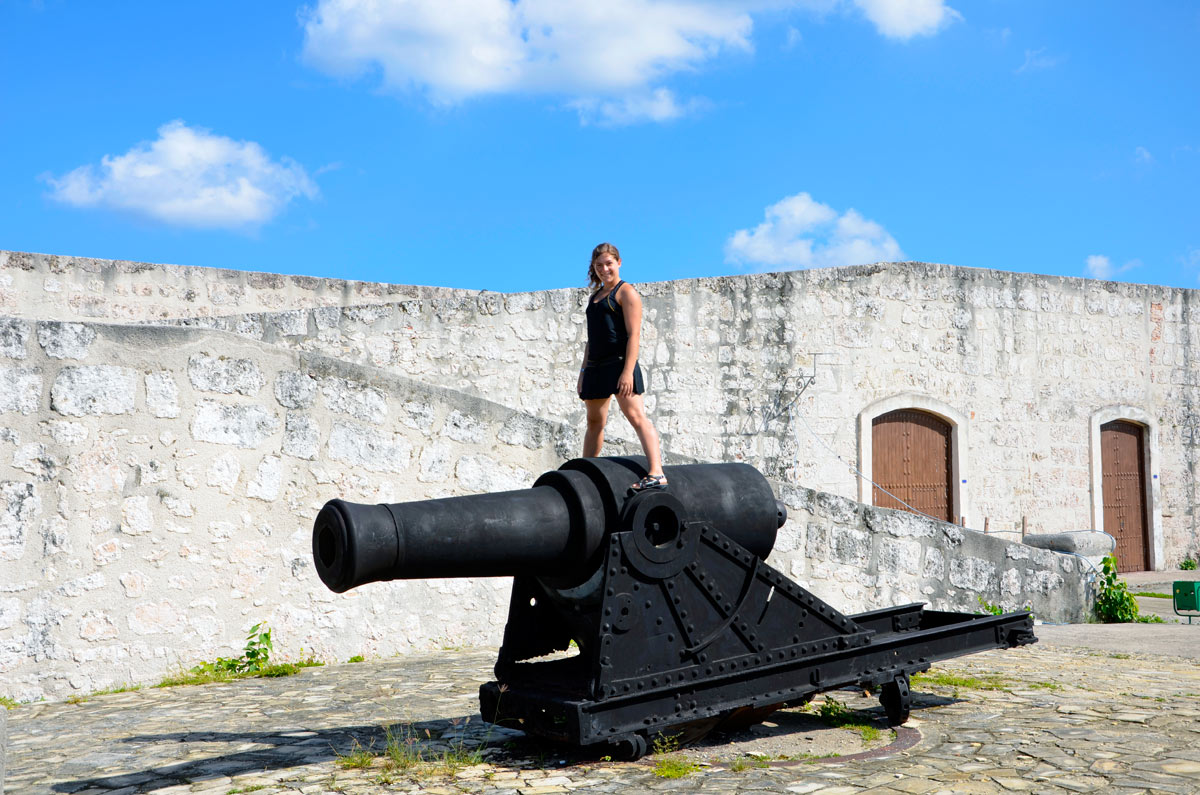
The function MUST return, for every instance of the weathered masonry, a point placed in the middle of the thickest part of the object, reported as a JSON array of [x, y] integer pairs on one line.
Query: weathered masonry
[[982, 397], [158, 484]]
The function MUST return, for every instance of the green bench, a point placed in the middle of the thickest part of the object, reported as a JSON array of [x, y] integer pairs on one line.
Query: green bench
[[1186, 595]]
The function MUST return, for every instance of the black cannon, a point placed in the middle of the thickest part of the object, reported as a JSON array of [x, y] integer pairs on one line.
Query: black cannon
[[679, 622]]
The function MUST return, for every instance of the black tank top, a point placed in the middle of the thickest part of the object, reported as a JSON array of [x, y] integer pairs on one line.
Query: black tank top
[[607, 337]]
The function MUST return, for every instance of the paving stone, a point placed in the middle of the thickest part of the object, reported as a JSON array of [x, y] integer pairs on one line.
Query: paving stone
[[286, 736]]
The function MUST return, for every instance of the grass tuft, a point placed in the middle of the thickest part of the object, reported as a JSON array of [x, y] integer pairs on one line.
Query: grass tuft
[[1046, 685], [358, 759], [669, 763], [943, 679]]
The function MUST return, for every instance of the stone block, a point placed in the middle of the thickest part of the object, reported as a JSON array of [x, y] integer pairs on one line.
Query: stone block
[[434, 463], [354, 399], [524, 430], [239, 425], [850, 547], [478, 474], [227, 376], [93, 390], [265, 485], [295, 389], [899, 557], [371, 448], [327, 317], [10, 612], [14, 333], [301, 436], [136, 517], [463, 428], [223, 473], [81, 585], [36, 460], [293, 323], [19, 508], [156, 618], [65, 340], [135, 584], [20, 389], [418, 416], [96, 625], [973, 574], [162, 394]]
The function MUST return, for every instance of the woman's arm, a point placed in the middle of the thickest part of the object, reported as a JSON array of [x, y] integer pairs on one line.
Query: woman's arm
[[579, 381], [631, 302]]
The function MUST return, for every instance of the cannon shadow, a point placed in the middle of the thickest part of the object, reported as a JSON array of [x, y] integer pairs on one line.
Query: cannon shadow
[[427, 740]]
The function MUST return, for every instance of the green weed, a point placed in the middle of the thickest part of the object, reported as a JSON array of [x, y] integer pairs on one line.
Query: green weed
[[942, 679], [255, 661], [669, 763], [674, 767], [356, 658], [358, 759], [989, 608], [7, 702], [1114, 603], [1152, 594], [835, 714]]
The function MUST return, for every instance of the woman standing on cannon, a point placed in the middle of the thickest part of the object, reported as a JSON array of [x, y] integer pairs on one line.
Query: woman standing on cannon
[[610, 362]]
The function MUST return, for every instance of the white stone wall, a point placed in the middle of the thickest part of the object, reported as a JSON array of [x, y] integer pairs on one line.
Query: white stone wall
[[157, 493], [158, 486], [51, 287], [1026, 362], [857, 557]]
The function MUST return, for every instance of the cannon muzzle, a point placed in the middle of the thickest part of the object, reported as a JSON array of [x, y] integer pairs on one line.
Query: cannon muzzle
[[554, 529]]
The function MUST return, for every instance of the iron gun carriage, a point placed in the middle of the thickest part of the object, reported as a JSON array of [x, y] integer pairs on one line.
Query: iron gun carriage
[[678, 620]]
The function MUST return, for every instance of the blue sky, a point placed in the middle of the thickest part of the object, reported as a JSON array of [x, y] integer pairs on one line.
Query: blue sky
[[489, 144]]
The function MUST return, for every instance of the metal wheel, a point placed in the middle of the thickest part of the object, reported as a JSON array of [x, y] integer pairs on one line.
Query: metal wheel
[[629, 748], [896, 700]]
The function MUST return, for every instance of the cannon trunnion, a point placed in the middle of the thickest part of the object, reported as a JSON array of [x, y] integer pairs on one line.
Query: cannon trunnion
[[679, 622]]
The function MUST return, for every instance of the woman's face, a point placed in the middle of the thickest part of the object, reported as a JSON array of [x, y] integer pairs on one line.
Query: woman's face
[[607, 269]]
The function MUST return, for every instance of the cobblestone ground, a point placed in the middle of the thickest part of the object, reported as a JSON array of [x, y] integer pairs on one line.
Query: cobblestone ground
[[1036, 719]]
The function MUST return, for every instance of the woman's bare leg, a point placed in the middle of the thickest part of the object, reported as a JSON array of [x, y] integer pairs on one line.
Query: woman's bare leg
[[597, 417], [635, 412]]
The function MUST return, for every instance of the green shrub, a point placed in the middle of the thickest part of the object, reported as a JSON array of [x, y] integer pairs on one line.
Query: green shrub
[[1114, 603], [1188, 564]]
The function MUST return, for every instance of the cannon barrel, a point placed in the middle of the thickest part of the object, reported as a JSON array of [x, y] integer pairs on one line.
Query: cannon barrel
[[552, 530]]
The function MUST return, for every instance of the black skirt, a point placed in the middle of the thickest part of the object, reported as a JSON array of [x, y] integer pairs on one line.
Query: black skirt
[[600, 380]]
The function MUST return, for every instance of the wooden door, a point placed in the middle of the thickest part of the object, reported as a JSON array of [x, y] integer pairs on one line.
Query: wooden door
[[1123, 475], [910, 457]]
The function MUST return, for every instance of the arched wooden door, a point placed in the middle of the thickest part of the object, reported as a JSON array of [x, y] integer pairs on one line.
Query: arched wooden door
[[910, 457], [1123, 476]]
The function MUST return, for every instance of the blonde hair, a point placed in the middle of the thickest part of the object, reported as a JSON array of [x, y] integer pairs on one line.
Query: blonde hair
[[603, 248]]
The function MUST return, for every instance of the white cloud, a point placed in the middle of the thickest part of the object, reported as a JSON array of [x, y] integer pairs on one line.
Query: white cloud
[[1142, 156], [800, 232], [1036, 60], [189, 177], [608, 59], [456, 49], [903, 19], [1101, 267], [657, 105]]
